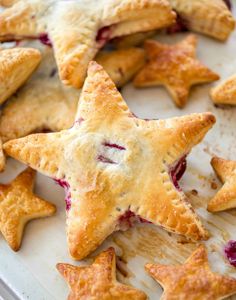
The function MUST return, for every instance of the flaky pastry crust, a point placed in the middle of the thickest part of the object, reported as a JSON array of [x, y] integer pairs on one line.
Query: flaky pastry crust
[[16, 65], [225, 198], [19, 205], [174, 66], [225, 92], [106, 162], [78, 29], [98, 281], [209, 17], [121, 65], [193, 280]]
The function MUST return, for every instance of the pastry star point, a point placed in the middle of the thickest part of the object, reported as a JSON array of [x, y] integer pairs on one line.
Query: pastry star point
[[192, 280], [98, 281], [225, 198], [18, 205], [175, 67], [101, 157]]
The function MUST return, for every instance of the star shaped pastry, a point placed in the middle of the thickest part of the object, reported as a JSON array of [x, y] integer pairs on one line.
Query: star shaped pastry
[[18, 205], [193, 280], [77, 29], [225, 92], [225, 198], [175, 67], [209, 17], [98, 281], [115, 166]]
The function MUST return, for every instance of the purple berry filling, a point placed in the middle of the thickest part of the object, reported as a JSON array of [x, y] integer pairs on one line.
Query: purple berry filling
[[179, 26], [103, 36], [228, 3], [44, 39], [230, 252], [65, 185], [177, 171], [105, 160], [129, 217], [114, 146]]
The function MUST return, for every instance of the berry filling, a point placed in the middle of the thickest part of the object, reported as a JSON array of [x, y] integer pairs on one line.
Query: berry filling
[[228, 4], [114, 146], [105, 160], [103, 35], [128, 219], [44, 39], [230, 252], [65, 185], [177, 171], [179, 26]]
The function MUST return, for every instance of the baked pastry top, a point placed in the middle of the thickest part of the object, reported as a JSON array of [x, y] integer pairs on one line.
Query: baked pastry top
[[18, 205], [16, 65], [210, 17], [112, 163], [225, 198], [193, 280], [174, 66], [77, 29], [98, 281], [30, 110], [225, 92]]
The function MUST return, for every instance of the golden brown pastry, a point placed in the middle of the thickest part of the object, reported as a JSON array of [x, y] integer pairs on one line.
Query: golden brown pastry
[[77, 29], [132, 40], [225, 198], [210, 17], [174, 66], [115, 166], [46, 104], [19, 205], [121, 65], [193, 280], [98, 281], [225, 92], [16, 65]]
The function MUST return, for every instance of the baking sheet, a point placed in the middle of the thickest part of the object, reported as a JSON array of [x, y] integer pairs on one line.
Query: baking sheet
[[31, 273]]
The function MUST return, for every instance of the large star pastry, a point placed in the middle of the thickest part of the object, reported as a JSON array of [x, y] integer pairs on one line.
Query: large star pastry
[[193, 280], [77, 29], [225, 198], [175, 67], [98, 281], [19, 205], [114, 166], [225, 92]]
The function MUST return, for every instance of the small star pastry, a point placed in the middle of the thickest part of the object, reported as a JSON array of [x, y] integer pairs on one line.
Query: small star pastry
[[121, 65], [114, 166], [225, 198], [175, 67], [87, 26], [210, 17], [18, 205], [16, 65], [225, 92], [98, 281], [193, 280]]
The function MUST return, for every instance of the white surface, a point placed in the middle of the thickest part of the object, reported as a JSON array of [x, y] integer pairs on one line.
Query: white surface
[[31, 273]]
